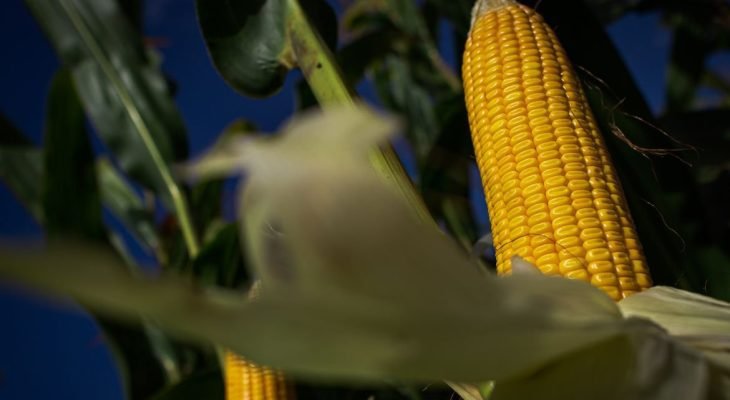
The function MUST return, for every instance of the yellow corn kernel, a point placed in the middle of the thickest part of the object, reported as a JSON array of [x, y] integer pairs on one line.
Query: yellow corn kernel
[[545, 168], [247, 381]]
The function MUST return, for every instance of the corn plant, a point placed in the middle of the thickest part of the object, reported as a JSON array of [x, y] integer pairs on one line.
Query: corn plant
[[345, 277]]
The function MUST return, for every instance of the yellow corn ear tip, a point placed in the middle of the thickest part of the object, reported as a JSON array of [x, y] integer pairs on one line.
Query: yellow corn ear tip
[[247, 381], [552, 192], [483, 6]]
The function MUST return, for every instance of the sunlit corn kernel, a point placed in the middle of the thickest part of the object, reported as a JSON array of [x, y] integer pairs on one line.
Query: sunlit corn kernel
[[530, 122]]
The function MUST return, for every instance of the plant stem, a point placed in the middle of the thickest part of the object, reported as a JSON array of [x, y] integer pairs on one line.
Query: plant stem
[[326, 80]]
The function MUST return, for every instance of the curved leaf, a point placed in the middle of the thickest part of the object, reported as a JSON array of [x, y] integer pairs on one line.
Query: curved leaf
[[373, 294], [249, 40]]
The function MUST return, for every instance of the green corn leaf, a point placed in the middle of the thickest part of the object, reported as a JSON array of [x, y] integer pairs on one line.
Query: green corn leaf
[[21, 168], [71, 200], [125, 204], [201, 385], [250, 41], [122, 90]]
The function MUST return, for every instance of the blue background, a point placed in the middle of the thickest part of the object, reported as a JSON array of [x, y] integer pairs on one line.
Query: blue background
[[51, 350]]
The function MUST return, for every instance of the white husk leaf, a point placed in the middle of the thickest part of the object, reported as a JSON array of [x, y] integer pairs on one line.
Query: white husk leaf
[[698, 321], [354, 288]]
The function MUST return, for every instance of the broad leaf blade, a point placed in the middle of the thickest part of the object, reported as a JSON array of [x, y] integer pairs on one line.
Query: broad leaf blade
[[123, 92], [368, 293], [248, 40], [339, 334]]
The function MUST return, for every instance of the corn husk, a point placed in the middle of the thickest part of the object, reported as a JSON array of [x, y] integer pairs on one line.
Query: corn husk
[[354, 288]]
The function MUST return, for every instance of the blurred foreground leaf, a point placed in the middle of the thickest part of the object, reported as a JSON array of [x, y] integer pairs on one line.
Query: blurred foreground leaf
[[353, 293]]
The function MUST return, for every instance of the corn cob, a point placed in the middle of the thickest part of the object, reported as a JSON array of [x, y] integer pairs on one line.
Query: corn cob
[[552, 192], [247, 381]]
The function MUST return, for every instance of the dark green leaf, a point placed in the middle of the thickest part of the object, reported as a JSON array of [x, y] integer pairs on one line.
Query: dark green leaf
[[220, 261], [368, 15], [202, 385], [22, 170], [134, 11], [321, 15], [122, 200], [141, 370], [354, 59], [458, 12], [399, 92], [21, 167], [444, 171], [360, 53], [207, 197], [10, 136], [122, 90], [249, 40], [71, 200]]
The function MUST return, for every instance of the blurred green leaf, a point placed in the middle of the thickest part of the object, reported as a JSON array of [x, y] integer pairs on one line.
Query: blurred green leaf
[[134, 11], [122, 201], [359, 54], [142, 373], [400, 93], [71, 200], [220, 261], [123, 92], [21, 168], [202, 385], [363, 16], [355, 58], [458, 12], [249, 40], [444, 171], [10, 136], [392, 41], [206, 197], [363, 294], [417, 47], [293, 329]]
